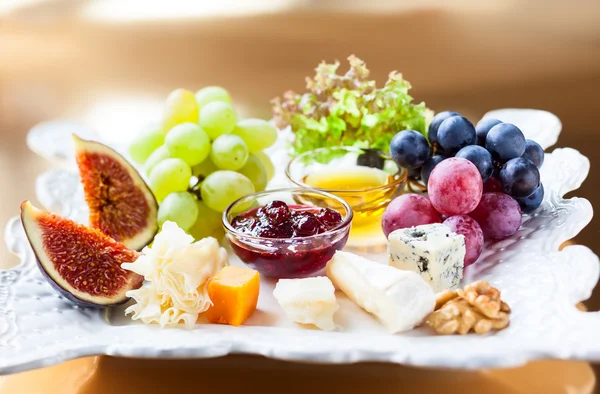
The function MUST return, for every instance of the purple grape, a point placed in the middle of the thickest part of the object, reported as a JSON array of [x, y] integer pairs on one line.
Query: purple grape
[[455, 187], [409, 149], [408, 210], [470, 229], [437, 120], [429, 166], [479, 156], [519, 177], [534, 153], [533, 201], [492, 185], [505, 141], [455, 133], [498, 215], [483, 128]]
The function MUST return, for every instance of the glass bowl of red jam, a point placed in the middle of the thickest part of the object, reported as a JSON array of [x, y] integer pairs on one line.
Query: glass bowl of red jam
[[279, 234]]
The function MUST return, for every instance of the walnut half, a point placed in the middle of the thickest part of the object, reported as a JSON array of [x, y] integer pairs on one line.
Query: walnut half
[[478, 308]]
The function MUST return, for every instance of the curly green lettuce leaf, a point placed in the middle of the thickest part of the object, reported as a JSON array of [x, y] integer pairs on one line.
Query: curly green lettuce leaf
[[348, 109]]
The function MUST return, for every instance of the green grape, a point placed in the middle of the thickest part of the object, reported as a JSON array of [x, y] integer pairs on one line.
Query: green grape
[[160, 154], [208, 224], [229, 152], [221, 188], [217, 118], [210, 94], [180, 208], [258, 134], [146, 142], [169, 176], [187, 141], [255, 171], [203, 169], [181, 107], [267, 164]]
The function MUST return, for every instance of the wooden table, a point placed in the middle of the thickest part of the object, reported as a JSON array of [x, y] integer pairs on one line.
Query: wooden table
[[244, 374], [83, 61]]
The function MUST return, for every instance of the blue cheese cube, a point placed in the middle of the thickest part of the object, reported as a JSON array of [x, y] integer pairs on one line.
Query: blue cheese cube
[[431, 250]]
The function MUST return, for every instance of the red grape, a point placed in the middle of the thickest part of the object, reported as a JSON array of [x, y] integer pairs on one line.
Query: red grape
[[455, 186], [492, 185], [498, 214], [408, 210], [468, 227]]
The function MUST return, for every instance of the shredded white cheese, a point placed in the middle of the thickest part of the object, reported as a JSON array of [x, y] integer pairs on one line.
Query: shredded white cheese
[[176, 271]]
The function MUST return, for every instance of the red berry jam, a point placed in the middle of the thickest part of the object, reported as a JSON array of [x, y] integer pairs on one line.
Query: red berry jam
[[290, 246], [278, 220]]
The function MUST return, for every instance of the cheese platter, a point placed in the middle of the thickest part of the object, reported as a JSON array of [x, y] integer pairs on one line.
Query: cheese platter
[[318, 237]]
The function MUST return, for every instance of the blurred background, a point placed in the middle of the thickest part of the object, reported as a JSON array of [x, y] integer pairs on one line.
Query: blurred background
[[111, 63]]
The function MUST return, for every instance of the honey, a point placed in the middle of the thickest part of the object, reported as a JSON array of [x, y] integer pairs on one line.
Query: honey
[[362, 187], [365, 179], [349, 178]]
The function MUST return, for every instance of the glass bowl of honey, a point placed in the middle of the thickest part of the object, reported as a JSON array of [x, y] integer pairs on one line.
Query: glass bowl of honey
[[366, 179]]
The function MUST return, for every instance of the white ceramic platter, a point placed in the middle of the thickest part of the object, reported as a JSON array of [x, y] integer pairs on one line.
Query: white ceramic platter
[[542, 285]]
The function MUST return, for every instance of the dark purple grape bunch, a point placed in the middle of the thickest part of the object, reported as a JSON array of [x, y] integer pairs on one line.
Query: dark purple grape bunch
[[516, 161], [506, 160]]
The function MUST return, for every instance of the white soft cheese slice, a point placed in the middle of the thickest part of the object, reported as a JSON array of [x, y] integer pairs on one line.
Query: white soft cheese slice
[[308, 301], [431, 250], [399, 299]]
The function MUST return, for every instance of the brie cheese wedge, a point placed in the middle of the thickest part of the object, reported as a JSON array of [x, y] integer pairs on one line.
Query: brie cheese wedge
[[399, 299]]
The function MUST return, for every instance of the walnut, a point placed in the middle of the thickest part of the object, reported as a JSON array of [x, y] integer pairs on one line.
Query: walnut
[[443, 297], [478, 307]]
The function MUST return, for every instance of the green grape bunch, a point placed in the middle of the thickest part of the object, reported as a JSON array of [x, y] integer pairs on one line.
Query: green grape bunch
[[200, 157]]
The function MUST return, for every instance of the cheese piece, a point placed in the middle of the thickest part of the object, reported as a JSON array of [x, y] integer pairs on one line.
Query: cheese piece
[[399, 299], [308, 301], [234, 295], [176, 271], [431, 250]]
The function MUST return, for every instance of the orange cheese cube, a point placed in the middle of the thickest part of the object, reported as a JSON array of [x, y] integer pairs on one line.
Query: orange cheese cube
[[234, 294]]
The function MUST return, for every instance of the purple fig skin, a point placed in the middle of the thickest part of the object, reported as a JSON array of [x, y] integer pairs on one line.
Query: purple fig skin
[[69, 296], [66, 293]]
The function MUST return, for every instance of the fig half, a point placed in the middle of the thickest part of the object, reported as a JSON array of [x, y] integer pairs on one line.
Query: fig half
[[121, 205], [81, 263]]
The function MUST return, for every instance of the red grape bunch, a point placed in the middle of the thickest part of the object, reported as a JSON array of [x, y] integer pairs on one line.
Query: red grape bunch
[[479, 179]]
